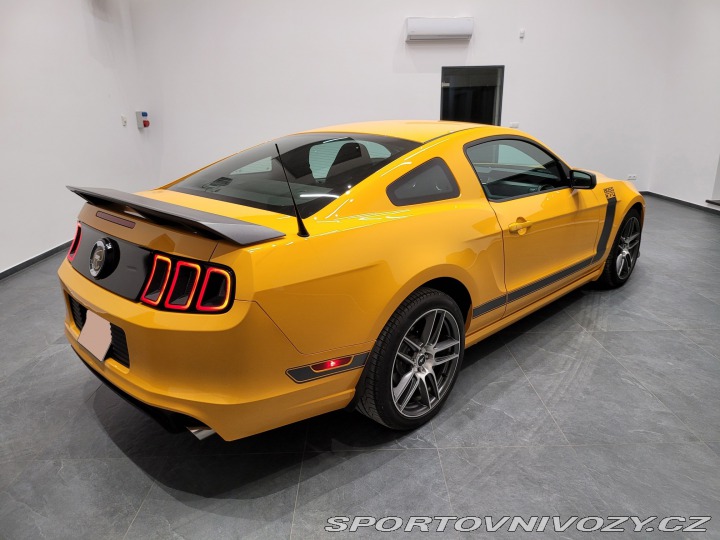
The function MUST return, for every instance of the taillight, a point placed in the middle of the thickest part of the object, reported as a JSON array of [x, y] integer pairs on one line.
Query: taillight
[[159, 276], [183, 286], [215, 290], [175, 284], [75, 243]]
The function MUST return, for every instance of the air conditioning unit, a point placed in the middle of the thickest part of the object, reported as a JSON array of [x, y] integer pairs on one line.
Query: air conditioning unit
[[432, 29]]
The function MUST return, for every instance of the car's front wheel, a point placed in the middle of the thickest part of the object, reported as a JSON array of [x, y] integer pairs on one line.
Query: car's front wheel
[[415, 361], [624, 253]]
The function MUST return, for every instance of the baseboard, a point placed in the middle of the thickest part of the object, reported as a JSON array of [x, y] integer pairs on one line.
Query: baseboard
[[684, 203], [23, 265]]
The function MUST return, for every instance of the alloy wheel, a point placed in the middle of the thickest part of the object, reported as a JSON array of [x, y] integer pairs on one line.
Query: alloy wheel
[[425, 363], [628, 247]]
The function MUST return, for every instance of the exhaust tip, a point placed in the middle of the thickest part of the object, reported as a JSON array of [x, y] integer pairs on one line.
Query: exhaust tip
[[201, 432]]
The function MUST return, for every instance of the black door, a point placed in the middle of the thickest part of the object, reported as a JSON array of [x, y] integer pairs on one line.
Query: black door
[[472, 94]]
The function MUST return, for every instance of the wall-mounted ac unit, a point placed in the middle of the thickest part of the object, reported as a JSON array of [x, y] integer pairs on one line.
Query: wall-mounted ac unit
[[424, 28]]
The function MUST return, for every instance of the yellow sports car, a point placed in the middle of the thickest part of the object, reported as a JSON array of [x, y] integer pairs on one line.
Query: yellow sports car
[[347, 266]]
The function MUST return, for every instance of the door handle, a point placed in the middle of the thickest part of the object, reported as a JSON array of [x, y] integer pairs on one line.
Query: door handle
[[519, 226]]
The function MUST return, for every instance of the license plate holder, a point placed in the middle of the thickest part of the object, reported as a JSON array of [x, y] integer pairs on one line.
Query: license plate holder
[[95, 335]]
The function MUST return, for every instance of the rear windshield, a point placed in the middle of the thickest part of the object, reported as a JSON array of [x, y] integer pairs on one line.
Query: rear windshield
[[320, 167]]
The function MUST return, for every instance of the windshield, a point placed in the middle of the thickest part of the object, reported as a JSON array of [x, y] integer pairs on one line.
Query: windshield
[[320, 167]]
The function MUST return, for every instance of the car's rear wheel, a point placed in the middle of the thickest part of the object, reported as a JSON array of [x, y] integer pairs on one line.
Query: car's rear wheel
[[624, 253], [415, 361]]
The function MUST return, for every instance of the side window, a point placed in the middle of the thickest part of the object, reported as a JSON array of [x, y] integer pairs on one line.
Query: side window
[[431, 181], [513, 168]]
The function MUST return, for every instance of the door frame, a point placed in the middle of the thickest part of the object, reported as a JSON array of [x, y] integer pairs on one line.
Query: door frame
[[497, 107]]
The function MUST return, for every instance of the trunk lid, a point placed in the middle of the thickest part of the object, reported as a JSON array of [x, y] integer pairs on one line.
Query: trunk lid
[[133, 226]]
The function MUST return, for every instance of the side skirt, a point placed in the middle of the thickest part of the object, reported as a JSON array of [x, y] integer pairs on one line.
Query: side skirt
[[481, 334]]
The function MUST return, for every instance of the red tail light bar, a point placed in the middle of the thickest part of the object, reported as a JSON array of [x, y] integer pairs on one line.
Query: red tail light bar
[[214, 296], [75, 243], [215, 290], [180, 295], [158, 280]]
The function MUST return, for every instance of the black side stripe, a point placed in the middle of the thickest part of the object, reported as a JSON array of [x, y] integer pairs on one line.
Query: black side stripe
[[607, 227], [495, 303], [304, 374], [517, 294], [548, 280]]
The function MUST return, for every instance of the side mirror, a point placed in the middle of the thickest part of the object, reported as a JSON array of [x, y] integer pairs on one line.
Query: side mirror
[[582, 180]]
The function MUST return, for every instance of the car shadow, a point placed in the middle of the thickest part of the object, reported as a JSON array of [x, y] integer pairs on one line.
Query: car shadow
[[216, 468]]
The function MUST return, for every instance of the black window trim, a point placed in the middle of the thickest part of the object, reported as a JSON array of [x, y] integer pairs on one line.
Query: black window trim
[[411, 202], [563, 166]]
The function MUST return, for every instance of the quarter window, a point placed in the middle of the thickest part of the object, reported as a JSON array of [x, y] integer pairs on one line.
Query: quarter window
[[513, 168], [431, 181]]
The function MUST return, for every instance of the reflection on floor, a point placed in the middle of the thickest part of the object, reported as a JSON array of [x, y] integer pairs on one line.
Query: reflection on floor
[[605, 403]]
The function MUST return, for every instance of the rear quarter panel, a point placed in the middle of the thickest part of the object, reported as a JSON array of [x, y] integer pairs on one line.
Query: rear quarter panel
[[364, 256]]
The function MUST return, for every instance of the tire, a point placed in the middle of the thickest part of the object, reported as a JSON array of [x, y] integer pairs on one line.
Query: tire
[[424, 341], [624, 252]]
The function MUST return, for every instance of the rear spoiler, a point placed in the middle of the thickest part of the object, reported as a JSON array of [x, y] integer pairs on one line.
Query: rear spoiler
[[213, 225]]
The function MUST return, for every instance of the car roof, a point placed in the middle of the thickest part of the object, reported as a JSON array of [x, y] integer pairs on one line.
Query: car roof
[[413, 130]]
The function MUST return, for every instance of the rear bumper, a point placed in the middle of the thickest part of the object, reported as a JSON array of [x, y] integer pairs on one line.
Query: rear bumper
[[227, 371], [171, 421]]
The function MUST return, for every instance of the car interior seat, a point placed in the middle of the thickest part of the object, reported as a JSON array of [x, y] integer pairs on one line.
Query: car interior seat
[[350, 156]]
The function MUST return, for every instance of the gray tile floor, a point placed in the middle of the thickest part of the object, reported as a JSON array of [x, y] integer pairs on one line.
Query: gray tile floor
[[604, 403]]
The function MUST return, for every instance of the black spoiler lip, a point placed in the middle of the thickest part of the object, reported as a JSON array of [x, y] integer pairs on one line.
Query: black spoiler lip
[[220, 227]]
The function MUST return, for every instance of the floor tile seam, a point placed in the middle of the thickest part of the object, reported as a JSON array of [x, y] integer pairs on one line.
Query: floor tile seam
[[133, 455], [579, 445], [137, 513], [669, 328], [688, 288], [520, 333], [442, 467], [654, 318], [639, 381], [28, 462], [93, 458], [566, 312], [695, 328], [536, 393], [699, 345], [299, 481], [715, 266], [311, 452], [538, 445]]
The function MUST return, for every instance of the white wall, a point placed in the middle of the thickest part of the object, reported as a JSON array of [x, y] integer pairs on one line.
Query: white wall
[[227, 74], [66, 75], [686, 160], [622, 87]]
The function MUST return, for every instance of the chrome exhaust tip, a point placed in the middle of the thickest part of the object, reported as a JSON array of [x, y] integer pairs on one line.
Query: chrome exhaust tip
[[201, 432]]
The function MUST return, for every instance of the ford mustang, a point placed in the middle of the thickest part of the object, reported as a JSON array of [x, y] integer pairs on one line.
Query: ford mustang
[[348, 266]]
